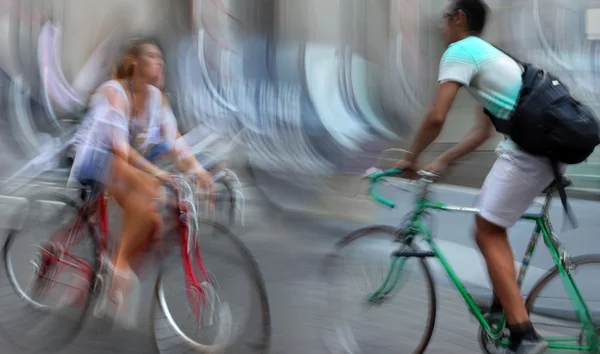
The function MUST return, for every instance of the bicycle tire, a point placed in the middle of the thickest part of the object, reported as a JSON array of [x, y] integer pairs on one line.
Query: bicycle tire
[[52, 339], [552, 273], [161, 312], [430, 282], [491, 348]]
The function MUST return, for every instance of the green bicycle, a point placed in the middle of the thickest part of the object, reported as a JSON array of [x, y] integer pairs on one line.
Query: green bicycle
[[413, 241]]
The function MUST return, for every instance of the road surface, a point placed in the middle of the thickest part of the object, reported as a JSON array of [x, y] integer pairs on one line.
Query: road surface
[[290, 250]]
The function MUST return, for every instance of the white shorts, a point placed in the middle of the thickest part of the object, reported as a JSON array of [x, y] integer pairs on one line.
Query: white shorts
[[514, 181]]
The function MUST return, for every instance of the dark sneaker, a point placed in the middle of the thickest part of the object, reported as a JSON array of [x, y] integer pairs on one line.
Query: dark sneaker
[[532, 346]]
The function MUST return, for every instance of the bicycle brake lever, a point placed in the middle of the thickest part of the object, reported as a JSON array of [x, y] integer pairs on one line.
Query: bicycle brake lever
[[426, 174]]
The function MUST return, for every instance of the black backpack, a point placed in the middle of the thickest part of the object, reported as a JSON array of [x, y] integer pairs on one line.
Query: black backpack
[[549, 122]]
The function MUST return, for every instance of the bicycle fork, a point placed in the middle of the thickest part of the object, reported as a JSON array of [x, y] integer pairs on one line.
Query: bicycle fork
[[390, 282], [199, 292]]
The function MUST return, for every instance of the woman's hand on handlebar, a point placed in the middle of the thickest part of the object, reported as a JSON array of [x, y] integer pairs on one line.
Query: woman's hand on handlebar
[[203, 177], [162, 175], [204, 180]]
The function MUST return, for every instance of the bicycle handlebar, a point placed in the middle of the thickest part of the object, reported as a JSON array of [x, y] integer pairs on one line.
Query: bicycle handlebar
[[171, 186], [374, 178], [377, 176]]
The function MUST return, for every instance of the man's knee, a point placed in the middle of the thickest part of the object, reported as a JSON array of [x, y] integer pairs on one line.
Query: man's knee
[[485, 230]]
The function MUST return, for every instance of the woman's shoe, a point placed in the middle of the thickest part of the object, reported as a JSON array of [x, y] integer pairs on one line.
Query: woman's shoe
[[123, 299]]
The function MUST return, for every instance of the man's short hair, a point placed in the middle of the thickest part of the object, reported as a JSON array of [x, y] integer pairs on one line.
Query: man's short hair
[[476, 13]]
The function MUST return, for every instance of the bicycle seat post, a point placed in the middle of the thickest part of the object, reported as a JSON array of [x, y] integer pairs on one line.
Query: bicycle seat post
[[546, 205]]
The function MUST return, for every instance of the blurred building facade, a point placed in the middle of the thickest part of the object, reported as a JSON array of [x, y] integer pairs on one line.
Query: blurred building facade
[[367, 67]]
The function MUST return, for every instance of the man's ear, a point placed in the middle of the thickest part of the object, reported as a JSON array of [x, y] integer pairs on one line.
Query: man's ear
[[462, 17]]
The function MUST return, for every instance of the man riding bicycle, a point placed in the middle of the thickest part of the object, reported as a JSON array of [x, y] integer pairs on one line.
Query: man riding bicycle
[[516, 178]]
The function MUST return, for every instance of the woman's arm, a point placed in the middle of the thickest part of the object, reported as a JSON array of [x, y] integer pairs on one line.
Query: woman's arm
[[185, 161], [137, 160]]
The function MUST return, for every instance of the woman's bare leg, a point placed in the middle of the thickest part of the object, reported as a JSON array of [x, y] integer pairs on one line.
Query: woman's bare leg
[[134, 191]]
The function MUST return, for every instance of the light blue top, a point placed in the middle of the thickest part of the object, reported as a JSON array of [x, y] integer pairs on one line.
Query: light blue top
[[490, 76]]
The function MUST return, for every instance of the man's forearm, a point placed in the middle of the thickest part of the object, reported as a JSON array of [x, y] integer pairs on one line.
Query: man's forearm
[[474, 139], [429, 130]]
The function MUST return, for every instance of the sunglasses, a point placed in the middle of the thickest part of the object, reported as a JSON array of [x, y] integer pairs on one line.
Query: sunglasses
[[449, 15]]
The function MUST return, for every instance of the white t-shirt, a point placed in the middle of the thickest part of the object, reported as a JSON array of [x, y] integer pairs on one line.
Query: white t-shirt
[[106, 126], [489, 75]]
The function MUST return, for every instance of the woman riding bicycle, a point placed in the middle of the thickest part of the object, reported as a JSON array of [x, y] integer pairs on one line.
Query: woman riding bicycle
[[127, 117]]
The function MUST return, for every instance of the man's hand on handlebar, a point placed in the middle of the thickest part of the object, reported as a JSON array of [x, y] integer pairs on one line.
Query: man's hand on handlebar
[[409, 167], [437, 166]]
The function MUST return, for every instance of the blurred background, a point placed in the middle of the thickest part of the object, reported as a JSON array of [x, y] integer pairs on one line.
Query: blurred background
[[312, 91], [301, 97]]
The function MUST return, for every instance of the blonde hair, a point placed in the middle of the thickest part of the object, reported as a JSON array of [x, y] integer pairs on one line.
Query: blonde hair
[[124, 64]]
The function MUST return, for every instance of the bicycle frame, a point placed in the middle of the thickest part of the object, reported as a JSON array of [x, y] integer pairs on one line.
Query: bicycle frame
[[416, 227], [188, 238], [69, 235]]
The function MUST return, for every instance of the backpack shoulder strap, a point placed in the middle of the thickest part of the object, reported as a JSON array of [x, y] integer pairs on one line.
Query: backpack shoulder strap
[[523, 64], [530, 71], [563, 195]]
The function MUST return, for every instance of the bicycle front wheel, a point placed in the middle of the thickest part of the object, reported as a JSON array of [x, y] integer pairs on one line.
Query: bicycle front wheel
[[379, 303], [50, 261], [551, 308], [229, 311]]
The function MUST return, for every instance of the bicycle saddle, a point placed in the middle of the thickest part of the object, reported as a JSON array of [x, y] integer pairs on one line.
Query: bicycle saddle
[[564, 182]]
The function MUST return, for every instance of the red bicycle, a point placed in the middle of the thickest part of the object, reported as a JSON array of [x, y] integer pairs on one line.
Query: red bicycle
[[74, 258]]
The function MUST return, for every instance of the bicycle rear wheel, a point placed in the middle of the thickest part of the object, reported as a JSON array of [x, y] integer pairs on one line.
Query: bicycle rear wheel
[[234, 315], [44, 308], [365, 320], [551, 309]]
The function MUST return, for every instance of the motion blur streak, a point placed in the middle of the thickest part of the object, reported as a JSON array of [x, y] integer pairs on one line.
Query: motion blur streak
[[309, 90], [299, 97]]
